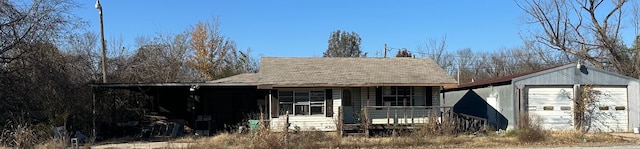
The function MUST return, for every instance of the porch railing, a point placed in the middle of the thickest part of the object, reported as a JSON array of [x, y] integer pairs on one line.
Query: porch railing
[[403, 115]]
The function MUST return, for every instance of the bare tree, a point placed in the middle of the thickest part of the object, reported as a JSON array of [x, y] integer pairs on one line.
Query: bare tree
[[436, 49], [578, 28], [39, 21]]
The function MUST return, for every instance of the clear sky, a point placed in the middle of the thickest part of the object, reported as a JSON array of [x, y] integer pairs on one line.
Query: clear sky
[[301, 28]]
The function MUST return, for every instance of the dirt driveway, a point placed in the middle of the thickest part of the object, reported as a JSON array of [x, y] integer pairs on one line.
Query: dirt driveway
[[142, 145]]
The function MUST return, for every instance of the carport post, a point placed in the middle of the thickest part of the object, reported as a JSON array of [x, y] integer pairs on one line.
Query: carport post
[[93, 131], [192, 99]]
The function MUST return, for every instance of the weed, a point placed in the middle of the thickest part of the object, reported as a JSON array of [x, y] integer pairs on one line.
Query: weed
[[532, 131]]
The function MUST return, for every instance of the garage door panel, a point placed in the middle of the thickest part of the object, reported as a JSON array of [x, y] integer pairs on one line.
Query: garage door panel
[[552, 106], [611, 114]]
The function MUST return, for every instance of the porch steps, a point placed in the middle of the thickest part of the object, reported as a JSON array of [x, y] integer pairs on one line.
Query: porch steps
[[353, 130]]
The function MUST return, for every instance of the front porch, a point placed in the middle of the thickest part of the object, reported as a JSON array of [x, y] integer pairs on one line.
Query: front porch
[[362, 109]]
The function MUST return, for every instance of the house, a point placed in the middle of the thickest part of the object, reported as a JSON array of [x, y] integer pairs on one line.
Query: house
[[314, 93], [551, 94]]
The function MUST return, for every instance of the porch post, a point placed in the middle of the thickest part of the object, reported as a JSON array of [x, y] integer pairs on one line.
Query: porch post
[[270, 104]]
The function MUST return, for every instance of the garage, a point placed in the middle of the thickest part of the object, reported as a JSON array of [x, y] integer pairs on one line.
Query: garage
[[610, 112], [553, 107], [548, 94]]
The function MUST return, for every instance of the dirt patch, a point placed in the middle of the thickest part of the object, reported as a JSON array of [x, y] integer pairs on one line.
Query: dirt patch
[[628, 136], [143, 145]]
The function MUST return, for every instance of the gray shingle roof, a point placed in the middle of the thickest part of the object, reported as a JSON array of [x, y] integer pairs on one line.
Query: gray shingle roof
[[279, 71], [245, 78]]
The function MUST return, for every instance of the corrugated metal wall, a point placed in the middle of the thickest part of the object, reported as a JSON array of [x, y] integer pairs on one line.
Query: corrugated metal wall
[[634, 104], [504, 94]]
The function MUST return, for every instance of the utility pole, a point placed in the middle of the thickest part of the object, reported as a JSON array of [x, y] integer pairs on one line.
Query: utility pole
[[385, 50], [104, 47]]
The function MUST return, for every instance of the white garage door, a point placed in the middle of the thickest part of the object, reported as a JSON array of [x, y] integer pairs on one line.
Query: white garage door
[[610, 110], [552, 106]]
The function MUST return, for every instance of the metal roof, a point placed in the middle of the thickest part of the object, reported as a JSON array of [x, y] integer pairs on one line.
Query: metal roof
[[496, 80]]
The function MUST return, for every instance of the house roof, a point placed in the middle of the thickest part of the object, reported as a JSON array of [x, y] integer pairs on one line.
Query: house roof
[[245, 78], [293, 72]]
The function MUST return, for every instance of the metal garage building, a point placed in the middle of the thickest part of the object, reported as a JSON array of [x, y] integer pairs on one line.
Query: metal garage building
[[550, 95]]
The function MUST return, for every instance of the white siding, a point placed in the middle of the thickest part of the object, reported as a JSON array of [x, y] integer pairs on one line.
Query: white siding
[[368, 95], [305, 123], [311, 122], [337, 101]]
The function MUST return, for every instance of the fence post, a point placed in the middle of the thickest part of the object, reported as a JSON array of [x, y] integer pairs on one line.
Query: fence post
[[412, 107], [286, 129], [366, 120]]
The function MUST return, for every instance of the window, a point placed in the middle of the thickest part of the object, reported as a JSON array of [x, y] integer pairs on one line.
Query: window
[[286, 102], [547, 108], [402, 96], [302, 102], [316, 100], [603, 108]]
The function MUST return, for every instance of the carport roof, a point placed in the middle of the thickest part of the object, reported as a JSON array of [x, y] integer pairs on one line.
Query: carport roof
[[245, 78]]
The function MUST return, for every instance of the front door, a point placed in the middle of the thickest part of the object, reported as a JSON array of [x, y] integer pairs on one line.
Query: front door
[[347, 107]]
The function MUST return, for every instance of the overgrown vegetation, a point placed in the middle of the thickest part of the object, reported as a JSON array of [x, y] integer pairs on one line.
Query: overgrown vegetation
[[532, 130], [317, 139], [429, 135]]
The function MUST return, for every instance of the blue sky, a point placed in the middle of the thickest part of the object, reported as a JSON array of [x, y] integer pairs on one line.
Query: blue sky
[[302, 28]]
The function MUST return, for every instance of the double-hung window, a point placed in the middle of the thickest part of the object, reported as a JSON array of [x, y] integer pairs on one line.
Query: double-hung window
[[302, 102]]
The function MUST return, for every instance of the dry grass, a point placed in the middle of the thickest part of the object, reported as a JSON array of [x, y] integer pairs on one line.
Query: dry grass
[[532, 131], [428, 136], [23, 135], [316, 139]]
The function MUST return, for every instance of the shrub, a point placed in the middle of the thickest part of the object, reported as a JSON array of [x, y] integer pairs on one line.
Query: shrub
[[532, 131], [19, 135]]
